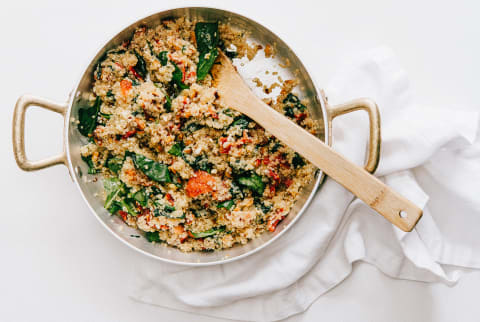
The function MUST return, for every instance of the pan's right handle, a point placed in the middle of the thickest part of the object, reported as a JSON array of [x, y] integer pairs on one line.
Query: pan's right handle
[[369, 106], [23, 103]]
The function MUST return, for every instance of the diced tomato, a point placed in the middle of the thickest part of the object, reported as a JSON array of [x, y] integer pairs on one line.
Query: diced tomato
[[119, 65], [272, 189], [163, 227], [300, 117], [123, 214], [274, 175], [190, 233], [125, 86], [134, 72], [258, 162], [183, 239], [129, 134], [224, 149], [266, 161], [183, 73], [272, 224], [200, 183], [277, 218], [169, 198], [288, 182]]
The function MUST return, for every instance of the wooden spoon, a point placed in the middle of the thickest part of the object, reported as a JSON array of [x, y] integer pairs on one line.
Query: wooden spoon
[[235, 93]]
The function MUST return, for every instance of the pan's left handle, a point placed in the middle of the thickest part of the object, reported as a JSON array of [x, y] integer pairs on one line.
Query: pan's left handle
[[23, 103]]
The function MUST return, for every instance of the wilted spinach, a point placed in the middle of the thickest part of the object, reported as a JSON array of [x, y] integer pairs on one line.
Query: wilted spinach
[[114, 164], [113, 188], [208, 233], [228, 204], [176, 149], [152, 236], [141, 197], [163, 57], [91, 165], [177, 77], [141, 66], [154, 170], [198, 163], [242, 121], [298, 161], [253, 182], [87, 117], [293, 101], [207, 36], [168, 103], [129, 205]]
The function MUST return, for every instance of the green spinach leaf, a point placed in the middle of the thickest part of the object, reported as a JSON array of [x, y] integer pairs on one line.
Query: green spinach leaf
[[242, 121], [152, 236], [288, 111], [115, 207], [166, 212], [253, 182], [177, 77], [87, 117], [176, 149], [91, 165], [154, 170], [168, 103], [208, 233], [113, 188], [163, 57], [141, 197], [262, 206], [294, 101], [141, 66], [207, 36], [205, 63], [229, 204], [198, 163], [298, 161], [115, 164], [129, 205]]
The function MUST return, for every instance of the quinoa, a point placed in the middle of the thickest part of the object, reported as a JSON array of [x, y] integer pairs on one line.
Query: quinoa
[[175, 163]]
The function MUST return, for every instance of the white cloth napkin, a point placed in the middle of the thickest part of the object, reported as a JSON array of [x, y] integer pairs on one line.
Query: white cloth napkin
[[429, 155]]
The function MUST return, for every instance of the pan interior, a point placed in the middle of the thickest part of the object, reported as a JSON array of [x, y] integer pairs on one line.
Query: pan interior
[[249, 70]]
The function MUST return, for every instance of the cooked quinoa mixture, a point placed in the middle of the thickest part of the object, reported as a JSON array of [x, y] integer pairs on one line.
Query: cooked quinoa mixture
[[175, 163]]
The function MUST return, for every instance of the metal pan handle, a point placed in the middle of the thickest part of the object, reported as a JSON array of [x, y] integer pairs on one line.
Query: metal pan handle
[[371, 108], [23, 103]]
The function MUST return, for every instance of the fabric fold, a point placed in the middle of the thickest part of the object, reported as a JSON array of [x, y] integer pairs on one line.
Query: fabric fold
[[429, 154]]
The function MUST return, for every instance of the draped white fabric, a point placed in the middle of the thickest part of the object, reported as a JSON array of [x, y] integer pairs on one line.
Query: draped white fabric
[[431, 155]]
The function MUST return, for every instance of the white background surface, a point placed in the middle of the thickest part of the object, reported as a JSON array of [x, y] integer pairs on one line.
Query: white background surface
[[59, 264]]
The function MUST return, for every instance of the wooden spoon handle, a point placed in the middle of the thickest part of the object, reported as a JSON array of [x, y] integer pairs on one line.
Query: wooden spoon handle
[[394, 207]]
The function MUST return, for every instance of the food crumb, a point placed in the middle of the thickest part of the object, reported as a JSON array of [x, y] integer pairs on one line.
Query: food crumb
[[269, 51], [257, 82], [286, 64]]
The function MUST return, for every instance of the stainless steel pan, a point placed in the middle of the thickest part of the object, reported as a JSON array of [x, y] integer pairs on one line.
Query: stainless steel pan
[[90, 190]]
